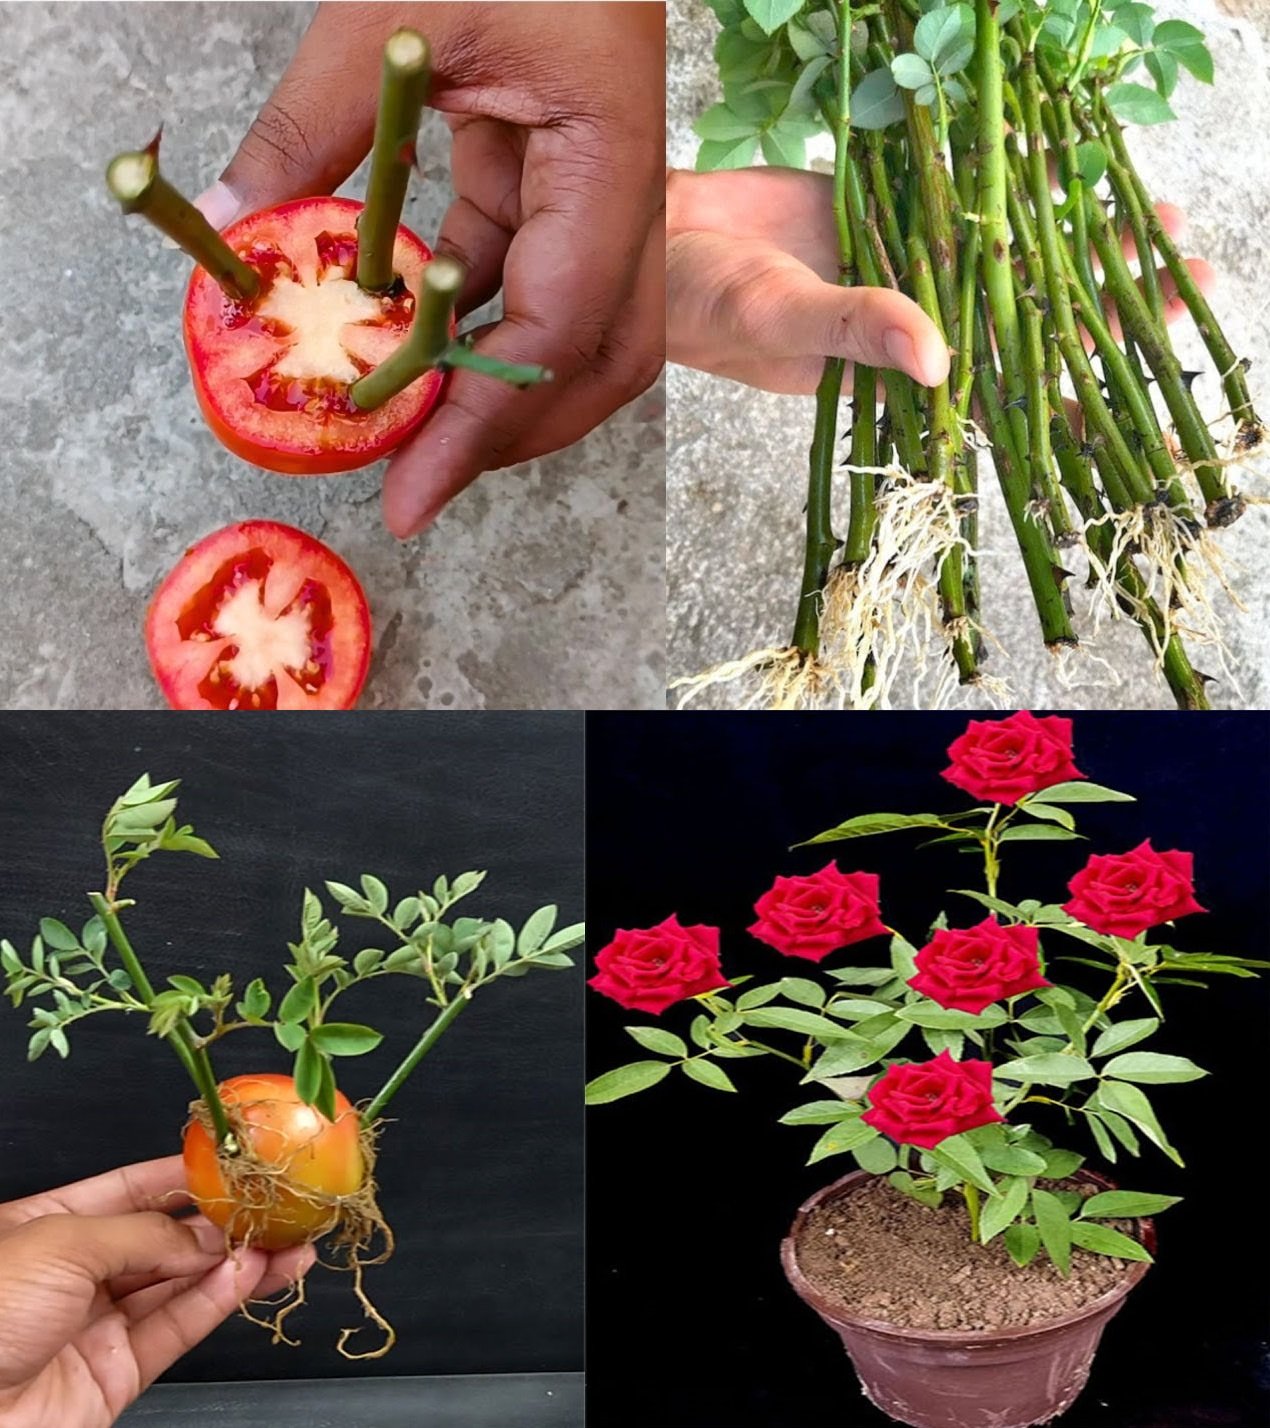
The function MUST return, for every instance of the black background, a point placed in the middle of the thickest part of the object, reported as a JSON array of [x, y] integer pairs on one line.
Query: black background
[[481, 1177], [690, 1191]]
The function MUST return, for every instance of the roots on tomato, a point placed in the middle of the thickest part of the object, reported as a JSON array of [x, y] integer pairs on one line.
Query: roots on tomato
[[286, 1175]]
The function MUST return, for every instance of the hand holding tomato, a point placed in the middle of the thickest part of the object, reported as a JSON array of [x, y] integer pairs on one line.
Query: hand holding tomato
[[557, 119], [100, 1292]]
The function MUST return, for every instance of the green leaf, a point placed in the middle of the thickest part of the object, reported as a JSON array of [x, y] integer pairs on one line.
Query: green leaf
[[59, 1043], [298, 1003], [1123, 1034], [926, 1195], [348, 898], [1054, 1227], [728, 154], [1133, 1105], [1125, 1205], [1102, 1239], [405, 959], [1044, 810], [290, 1035], [869, 823], [255, 1000], [878, 1157], [993, 904], [1046, 1070], [325, 1098], [1121, 1130], [910, 72], [342, 1038], [188, 985], [1136, 104], [565, 938], [804, 991], [999, 1213], [861, 976], [876, 104], [772, 14], [1022, 1243], [722, 125], [854, 1053], [1012, 1160], [1081, 791], [941, 1019], [903, 957], [814, 37], [858, 1008], [1150, 1068], [791, 1019], [1106, 1146], [9, 957], [367, 960], [1137, 21], [802, 97], [188, 843], [820, 1113], [959, 1154], [837, 1140], [376, 893], [1162, 68], [654, 1038], [1186, 45], [784, 147], [39, 1043], [537, 929], [1061, 1163], [308, 1072], [625, 1081], [1038, 833], [57, 935], [406, 913], [143, 818], [708, 1074], [946, 37]]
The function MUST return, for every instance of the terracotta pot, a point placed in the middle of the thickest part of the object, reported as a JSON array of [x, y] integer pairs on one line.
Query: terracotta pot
[[989, 1378]]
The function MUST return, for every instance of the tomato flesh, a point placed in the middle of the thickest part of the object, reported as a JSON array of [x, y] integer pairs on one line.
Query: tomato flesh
[[272, 376], [323, 1156], [259, 616]]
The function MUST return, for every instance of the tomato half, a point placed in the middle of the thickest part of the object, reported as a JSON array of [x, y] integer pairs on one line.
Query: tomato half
[[323, 1155], [259, 616], [272, 376]]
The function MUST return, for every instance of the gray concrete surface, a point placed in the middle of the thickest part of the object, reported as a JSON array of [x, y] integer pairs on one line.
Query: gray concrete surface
[[737, 457], [541, 586]]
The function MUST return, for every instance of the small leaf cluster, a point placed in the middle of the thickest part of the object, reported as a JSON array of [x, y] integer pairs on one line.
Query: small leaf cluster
[[141, 822]]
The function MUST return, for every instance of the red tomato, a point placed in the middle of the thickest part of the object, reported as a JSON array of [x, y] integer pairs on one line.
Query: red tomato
[[272, 376], [323, 1155], [259, 616]]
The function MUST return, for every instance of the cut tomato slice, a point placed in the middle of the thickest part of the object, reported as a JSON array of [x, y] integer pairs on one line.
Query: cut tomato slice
[[259, 616], [272, 376]]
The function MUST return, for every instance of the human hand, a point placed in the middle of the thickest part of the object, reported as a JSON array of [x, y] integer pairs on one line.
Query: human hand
[[100, 1292], [751, 265], [558, 158]]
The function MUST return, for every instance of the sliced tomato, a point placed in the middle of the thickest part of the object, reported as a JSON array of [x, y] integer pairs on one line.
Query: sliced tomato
[[259, 616], [272, 376]]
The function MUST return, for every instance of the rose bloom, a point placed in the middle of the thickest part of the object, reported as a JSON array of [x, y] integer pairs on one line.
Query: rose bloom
[[649, 968], [815, 915], [969, 968], [1001, 760], [923, 1102], [1125, 893]]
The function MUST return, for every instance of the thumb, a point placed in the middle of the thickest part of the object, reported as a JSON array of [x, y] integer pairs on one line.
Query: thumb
[[316, 126], [790, 312]]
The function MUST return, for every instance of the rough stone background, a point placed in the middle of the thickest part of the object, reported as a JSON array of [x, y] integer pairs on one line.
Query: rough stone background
[[736, 458], [541, 586]]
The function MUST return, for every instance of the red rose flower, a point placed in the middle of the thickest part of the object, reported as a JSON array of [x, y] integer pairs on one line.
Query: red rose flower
[[969, 968], [649, 968], [1125, 893], [1001, 760], [924, 1102], [813, 916]]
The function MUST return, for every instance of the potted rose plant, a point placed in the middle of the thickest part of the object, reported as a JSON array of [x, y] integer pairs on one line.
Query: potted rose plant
[[971, 1257]]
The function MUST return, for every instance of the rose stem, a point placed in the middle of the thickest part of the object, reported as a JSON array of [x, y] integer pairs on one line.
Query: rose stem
[[403, 88], [1038, 557], [943, 447], [420, 1049], [1228, 365], [522, 374], [820, 544], [972, 1208], [181, 1040], [427, 339], [135, 182]]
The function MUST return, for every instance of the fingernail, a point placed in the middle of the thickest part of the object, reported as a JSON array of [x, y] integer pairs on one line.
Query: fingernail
[[219, 205], [899, 349]]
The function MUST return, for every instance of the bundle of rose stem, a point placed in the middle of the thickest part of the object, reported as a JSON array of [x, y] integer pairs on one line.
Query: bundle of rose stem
[[973, 232]]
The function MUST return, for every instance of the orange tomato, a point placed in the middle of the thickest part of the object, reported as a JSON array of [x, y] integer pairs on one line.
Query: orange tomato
[[282, 1131]]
